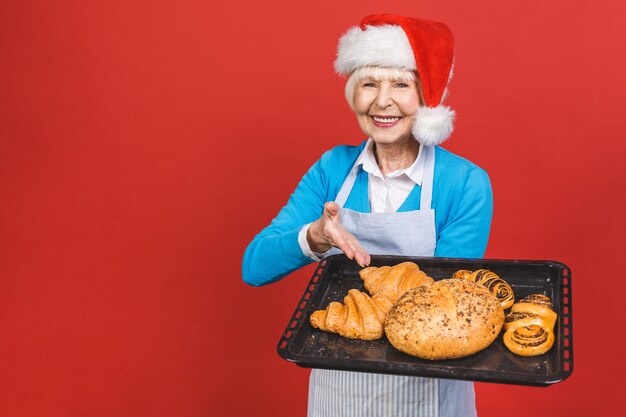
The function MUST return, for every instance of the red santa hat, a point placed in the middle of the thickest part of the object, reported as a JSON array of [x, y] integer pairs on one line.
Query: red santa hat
[[413, 44]]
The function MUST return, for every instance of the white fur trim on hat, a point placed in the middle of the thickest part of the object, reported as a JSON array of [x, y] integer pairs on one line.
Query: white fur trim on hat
[[433, 125], [385, 45]]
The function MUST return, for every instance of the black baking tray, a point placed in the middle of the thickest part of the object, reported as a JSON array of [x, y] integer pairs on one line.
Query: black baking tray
[[335, 275]]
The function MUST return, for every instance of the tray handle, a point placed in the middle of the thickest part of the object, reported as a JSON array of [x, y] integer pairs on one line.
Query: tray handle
[[298, 315], [566, 322]]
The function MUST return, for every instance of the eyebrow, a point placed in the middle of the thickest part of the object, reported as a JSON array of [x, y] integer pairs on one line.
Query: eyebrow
[[395, 80]]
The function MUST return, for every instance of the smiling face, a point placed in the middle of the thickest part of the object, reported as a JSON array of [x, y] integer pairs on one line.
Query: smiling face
[[385, 108]]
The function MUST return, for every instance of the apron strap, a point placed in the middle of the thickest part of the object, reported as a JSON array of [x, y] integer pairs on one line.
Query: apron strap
[[344, 192], [428, 178]]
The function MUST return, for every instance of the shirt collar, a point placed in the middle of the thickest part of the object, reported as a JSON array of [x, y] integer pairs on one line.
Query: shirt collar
[[368, 160]]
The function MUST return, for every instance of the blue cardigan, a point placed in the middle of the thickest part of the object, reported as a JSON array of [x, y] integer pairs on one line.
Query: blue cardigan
[[462, 200]]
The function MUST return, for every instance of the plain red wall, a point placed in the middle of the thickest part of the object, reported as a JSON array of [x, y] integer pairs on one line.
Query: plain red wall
[[144, 143]]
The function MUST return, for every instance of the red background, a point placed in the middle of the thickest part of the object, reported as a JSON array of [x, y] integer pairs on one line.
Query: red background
[[144, 144]]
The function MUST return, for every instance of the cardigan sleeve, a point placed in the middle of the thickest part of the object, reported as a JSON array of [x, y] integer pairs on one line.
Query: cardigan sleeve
[[465, 231], [275, 251]]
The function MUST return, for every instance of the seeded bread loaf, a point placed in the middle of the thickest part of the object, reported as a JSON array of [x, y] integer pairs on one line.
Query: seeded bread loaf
[[447, 319]]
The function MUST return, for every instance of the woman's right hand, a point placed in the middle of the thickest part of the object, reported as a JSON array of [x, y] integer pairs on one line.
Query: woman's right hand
[[327, 232]]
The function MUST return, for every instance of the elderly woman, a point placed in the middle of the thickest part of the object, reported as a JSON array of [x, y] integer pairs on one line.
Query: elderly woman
[[397, 193]]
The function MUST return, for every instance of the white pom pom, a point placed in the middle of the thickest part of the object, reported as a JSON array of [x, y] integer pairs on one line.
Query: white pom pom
[[433, 125]]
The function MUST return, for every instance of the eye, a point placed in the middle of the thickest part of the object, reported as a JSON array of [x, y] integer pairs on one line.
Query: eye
[[402, 85], [369, 84]]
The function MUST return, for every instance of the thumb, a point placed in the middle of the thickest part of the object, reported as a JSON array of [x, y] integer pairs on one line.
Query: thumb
[[332, 209]]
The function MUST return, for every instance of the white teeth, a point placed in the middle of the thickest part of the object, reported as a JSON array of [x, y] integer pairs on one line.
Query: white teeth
[[386, 119]]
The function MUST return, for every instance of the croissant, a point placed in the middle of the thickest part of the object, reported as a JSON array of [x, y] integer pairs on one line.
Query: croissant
[[492, 281], [391, 282], [529, 327], [360, 317]]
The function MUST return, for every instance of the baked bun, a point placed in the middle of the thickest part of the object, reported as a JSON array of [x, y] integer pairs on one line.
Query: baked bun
[[447, 319], [525, 314], [530, 340], [530, 326], [499, 287], [462, 274], [539, 299]]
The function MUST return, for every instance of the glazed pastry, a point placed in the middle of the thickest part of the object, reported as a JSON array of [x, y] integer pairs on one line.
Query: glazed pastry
[[393, 281], [492, 281], [462, 274], [530, 326], [530, 340], [448, 319], [359, 317], [539, 299], [526, 313]]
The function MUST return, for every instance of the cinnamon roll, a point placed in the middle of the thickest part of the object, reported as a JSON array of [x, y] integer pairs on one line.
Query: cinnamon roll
[[530, 340], [525, 313], [462, 274], [538, 299], [530, 326], [489, 279]]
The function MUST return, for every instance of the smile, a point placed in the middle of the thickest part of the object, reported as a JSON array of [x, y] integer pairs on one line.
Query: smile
[[385, 121]]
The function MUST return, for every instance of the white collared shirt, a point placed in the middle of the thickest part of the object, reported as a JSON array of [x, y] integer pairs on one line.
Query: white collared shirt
[[386, 192]]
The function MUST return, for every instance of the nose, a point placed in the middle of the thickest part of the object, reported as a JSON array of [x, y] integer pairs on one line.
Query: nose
[[383, 99]]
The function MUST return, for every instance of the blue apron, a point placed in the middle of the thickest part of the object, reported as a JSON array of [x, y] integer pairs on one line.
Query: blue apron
[[358, 394]]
